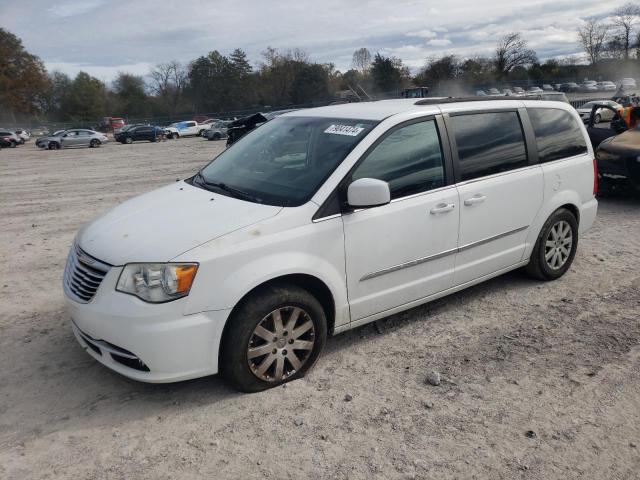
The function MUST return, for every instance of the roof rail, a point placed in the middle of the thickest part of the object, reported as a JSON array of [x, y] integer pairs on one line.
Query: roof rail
[[487, 98], [433, 101]]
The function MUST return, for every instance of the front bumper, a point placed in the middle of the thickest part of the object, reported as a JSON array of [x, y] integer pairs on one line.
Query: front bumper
[[154, 343]]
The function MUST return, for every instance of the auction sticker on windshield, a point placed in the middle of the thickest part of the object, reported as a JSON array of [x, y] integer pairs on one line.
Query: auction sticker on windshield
[[344, 130]]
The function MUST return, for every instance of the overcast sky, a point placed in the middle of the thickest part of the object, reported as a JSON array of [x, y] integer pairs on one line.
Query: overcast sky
[[103, 37]]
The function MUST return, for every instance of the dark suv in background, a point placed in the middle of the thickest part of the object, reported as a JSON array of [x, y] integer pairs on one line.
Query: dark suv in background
[[137, 134]]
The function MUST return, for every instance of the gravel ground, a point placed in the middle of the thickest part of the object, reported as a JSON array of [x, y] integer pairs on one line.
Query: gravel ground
[[537, 380]]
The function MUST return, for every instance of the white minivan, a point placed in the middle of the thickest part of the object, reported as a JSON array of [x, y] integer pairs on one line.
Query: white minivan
[[322, 220]]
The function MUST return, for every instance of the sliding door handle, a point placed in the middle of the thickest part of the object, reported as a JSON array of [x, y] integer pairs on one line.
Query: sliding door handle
[[478, 198]]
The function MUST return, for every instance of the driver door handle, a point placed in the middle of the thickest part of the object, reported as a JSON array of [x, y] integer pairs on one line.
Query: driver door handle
[[442, 208], [477, 198]]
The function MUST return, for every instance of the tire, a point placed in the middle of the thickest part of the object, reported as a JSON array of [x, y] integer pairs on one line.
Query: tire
[[13, 144], [597, 118], [272, 364], [54, 146], [549, 260], [94, 143], [217, 136], [128, 140], [201, 133], [176, 136]]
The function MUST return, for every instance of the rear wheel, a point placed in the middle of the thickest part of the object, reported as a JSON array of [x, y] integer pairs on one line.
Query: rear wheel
[[216, 136], [13, 144], [54, 146], [597, 118], [95, 143], [273, 337], [176, 136], [201, 133], [556, 246]]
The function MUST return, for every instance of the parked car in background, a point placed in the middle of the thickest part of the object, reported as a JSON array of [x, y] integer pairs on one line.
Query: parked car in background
[[39, 131], [518, 90], [493, 92], [72, 138], [187, 128], [124, 128], [507, 92], [240, 127], [588, 86], [534, 90], [23, 134], [627, 83], [481, 93], [607, 86], [569, 87], [11, 137], [139, 133], [6, 142], [111, 124], [322, 221], [217, 131], [547, 88], [556, 86], [602, 114]]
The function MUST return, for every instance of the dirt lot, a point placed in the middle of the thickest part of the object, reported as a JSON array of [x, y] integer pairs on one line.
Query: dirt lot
[[541, 380]]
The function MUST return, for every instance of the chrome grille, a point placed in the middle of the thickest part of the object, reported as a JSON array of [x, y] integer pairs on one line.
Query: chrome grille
[[83, 275]]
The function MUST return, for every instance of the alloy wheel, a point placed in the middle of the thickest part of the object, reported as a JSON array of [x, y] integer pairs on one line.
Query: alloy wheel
[[557, 247], [281, 344]]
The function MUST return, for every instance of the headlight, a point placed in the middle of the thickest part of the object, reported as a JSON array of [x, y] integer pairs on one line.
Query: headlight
[[157, 282]]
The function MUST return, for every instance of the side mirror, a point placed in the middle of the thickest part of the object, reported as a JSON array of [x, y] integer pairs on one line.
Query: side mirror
[[368, 192]]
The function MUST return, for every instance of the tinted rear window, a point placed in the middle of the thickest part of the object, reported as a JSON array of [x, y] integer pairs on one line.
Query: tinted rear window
[[489, 143], [558, 134]]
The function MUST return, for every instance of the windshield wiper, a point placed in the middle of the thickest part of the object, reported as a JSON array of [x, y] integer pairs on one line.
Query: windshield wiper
[[235, 192]]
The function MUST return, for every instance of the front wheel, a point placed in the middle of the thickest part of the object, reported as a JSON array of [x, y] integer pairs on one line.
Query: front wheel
[[597, 119], [556, 246], [273, 337], [95, 143], [176, 136], [128, 140], [54, 146], [13, 144]]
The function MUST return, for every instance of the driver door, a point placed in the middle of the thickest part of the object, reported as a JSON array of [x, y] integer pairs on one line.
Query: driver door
[[405, 250], [70, 139]]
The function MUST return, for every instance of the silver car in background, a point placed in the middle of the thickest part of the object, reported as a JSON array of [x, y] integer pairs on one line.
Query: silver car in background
[[76, 137], [602, 114], [218, 131]]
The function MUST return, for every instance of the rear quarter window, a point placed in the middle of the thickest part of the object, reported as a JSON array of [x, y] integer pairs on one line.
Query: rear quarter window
[[558, 134]]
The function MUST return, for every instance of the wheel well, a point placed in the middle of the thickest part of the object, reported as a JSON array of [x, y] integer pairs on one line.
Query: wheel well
[[574, 210], [312, 284]]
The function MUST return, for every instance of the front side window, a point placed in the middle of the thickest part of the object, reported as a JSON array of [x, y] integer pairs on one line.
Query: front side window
[[284, 161], [489, 143], [409, 159], [558, 134]]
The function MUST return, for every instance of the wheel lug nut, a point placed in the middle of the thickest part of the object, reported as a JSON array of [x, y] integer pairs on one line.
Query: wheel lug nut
[[284, 352], [285, 333], [291, 340], [275, 350]]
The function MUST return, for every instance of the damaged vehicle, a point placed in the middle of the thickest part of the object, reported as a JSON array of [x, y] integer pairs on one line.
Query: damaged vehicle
[[240, 127], [617, 148]]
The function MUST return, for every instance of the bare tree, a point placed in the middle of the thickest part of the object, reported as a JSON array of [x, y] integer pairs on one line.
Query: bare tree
[[624, 18], [168, 81], [592, 36], [361, 60], [512, 52]]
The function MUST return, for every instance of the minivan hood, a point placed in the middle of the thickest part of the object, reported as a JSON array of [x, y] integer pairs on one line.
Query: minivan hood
[[164, 223]]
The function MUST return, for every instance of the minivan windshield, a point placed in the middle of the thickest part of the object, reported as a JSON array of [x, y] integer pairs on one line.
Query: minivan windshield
[[284, 161]]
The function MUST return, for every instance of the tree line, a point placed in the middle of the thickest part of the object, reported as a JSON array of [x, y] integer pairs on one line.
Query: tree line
[[219, 82]]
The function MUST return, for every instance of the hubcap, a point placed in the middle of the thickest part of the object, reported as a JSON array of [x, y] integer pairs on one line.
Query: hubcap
[[281, 344], [557, 247]]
